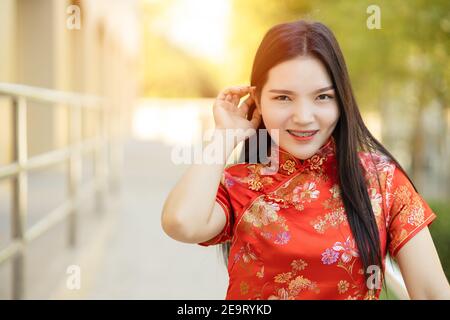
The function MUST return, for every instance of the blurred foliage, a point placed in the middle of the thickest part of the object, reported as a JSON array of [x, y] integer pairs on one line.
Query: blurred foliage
[[169, 70], [412, 44], [173, 73], [439, 230], [387, 294]]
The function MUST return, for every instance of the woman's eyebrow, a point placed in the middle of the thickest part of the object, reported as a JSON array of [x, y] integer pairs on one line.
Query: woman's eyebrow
[[283, 91], [324, 89]]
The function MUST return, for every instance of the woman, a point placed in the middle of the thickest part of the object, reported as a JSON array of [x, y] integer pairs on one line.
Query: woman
[[320, 227]]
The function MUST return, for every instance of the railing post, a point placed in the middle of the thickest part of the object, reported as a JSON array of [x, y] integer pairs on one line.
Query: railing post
[[19, 195], [100, 163], [74, 172], [114, 151]]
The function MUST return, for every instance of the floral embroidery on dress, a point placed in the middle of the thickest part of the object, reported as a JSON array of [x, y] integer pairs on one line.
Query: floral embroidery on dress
[[376, 163], [228, 183], [264, 216], [298, 191], [260, 273], [343, 286], [370, 295], [244, 287], [410, 207], [330, 256], [379, 171], [245, 258], [376, 201], [334, 218], [335, 192], [410, 211], [282, 237], [346, 251], [316, 161], [246, 253], [289, 166], [256, 180], [298, 264], [227, 179], [335, 202], [261, 213], [306, 193], [291, 284], [416, 216], [346, 254]]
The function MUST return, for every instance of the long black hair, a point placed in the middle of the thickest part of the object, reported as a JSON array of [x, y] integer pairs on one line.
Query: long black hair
[[304, 38]]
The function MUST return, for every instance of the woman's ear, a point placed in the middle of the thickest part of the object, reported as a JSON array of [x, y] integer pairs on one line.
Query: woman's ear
[[255, 98]]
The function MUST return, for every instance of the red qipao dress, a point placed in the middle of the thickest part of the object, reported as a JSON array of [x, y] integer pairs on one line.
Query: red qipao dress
[[291, 238]]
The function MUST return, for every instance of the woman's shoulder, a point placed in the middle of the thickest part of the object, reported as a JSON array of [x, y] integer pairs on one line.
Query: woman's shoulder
[[233, 173], [378, 169], [236, 169], [376, 161], [245, 174]]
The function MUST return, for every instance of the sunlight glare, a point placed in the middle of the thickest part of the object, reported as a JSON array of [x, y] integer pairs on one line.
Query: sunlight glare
[[200, 26]]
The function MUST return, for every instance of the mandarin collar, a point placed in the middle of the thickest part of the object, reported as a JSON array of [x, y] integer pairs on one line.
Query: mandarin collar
[[289, 164]]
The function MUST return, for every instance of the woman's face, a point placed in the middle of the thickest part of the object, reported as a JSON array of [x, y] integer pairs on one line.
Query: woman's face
[[299, 96]]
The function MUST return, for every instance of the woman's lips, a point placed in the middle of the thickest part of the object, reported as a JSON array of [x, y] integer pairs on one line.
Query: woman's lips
[[302, 138]]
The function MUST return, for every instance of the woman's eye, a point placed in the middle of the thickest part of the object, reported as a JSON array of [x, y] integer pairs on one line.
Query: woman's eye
[[324, 97], [282, 98]]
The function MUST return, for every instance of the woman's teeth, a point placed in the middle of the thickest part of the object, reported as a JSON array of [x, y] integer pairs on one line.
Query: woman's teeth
[[302, 134]]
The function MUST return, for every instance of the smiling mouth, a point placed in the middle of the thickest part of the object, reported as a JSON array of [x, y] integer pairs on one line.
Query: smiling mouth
[[303, 133]]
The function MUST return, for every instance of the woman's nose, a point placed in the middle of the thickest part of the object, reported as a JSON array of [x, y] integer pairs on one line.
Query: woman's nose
[[302, 113]]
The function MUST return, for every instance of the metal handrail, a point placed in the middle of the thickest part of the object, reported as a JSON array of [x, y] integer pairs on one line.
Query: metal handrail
[[17, 171], [48, 95]]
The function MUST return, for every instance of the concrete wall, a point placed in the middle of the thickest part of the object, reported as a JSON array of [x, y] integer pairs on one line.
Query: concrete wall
[[39, 50]]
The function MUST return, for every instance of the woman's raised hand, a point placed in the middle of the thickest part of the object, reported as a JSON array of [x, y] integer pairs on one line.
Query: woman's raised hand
[[229, 115]]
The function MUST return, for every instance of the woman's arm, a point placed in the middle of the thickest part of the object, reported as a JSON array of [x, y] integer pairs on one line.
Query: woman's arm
[[421, 268], [190, 213]]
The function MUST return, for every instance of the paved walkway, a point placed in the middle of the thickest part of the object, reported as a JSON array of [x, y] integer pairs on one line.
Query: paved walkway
[[139, 260]]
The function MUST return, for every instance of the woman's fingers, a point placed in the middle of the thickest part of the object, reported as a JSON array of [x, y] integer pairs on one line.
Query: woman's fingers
[[240, 91], [245, 106], [243, 109], [237, 89], [228, 101], [235, 99]]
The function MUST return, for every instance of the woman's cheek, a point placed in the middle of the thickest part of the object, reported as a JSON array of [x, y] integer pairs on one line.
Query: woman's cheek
[[329, 116], [273, 116], [273, 120]]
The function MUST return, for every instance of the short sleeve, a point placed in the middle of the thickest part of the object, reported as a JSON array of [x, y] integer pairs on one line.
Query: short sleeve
[[223, 198], [409, 213]]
